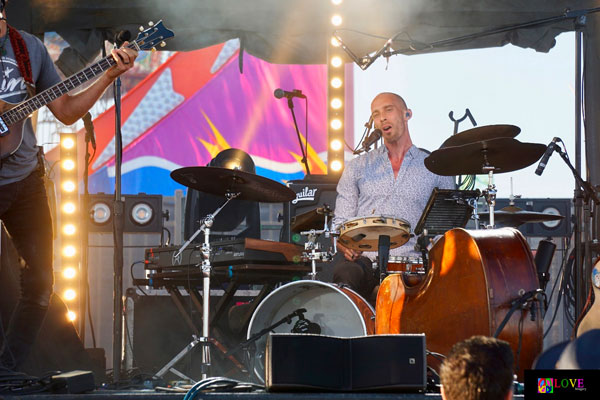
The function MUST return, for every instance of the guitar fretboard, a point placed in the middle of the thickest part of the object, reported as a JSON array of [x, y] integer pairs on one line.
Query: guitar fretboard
[[24, 109]]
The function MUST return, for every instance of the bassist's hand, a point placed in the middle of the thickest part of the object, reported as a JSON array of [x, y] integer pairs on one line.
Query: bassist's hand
[[124, 56]]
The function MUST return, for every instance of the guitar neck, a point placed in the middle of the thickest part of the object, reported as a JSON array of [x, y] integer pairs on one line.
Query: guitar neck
[[24, 109]]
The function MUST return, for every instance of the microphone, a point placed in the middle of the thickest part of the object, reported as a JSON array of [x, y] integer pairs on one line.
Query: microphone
[[89, 129], [369, 140], [546, 156], [121, 37], [280, 93]]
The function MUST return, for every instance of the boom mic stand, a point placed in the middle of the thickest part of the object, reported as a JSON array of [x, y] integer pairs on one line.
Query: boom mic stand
[[290, 104]]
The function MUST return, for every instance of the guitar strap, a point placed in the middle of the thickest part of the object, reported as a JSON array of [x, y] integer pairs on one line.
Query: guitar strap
[[22, 55]]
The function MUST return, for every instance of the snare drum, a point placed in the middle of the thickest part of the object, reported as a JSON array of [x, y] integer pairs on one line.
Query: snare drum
[[411, 268], [337, 310], [363, 233]]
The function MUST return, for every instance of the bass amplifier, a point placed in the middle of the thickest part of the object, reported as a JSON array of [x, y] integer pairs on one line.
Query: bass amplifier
[[312, 192]]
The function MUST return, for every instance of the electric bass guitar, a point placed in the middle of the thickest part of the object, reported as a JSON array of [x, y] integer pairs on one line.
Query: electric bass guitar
[[13, 116]]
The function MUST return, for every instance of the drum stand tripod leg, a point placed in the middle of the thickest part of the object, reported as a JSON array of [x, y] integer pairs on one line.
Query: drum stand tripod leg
[[169, 366]]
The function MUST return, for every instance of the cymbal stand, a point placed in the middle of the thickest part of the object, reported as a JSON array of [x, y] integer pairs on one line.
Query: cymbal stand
[[490, 194], [206, 269]]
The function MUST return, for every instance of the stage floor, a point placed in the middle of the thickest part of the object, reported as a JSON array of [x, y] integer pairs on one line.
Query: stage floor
[[153, 395]]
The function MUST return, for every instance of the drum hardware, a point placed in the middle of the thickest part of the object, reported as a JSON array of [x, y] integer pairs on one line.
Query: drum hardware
[[206, 270], [461, 119], [313, 246], [383, 252], [231, 183], [490, 195]]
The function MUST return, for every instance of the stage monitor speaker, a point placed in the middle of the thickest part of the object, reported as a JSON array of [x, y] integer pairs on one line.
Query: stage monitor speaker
[[142, 213], [560, 228], [311, 193], [319, 362]]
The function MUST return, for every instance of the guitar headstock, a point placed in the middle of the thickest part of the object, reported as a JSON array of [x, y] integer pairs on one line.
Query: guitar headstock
[[155, 34]]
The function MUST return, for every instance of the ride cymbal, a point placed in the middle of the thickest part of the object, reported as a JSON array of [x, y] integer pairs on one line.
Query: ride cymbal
[[220, 181], [498, 155], [481, 133]]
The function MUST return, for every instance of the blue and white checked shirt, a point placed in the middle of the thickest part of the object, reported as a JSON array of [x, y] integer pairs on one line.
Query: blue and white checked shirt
[[368, 187]]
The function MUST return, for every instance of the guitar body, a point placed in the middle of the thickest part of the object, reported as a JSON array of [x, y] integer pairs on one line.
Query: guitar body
[[472, 279], [11, 140], [591, 320]]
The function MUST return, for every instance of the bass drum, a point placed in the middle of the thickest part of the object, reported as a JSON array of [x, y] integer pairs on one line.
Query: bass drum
[[337, 310], [473, 278]]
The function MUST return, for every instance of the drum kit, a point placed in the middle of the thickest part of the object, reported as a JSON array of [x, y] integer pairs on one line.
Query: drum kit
[[330, 309]]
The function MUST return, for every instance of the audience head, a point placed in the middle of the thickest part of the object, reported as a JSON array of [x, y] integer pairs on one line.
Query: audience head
[[478, 368], [581, 353]]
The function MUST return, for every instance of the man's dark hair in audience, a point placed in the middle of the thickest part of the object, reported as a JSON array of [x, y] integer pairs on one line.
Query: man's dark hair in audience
[[478, 368]]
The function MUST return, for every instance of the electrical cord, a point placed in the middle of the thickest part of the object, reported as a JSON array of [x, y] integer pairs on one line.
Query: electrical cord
[[220, 384], [133, 277]]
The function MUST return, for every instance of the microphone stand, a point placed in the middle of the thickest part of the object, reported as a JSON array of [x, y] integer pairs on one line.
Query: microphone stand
[[85, 220], [304, 159], [583, 193], [118, 207]]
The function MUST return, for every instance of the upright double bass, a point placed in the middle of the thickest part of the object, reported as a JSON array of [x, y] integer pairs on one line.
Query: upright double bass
[[474, 281]]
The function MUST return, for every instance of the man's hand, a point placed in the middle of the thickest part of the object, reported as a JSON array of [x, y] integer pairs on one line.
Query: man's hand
[[124, 57], [349, 254]]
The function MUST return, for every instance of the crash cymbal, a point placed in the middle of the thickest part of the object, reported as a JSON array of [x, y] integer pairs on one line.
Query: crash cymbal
[[481, 133], [220, 181], [513, 216], [500, 155]]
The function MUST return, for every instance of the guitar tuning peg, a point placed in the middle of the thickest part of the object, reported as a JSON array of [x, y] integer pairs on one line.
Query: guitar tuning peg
[[141, 28], [150, 23], [162, 44], [153, 49]]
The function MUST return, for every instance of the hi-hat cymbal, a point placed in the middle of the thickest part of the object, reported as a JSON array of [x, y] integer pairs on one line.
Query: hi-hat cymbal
[[313, 219], [499, 155], [220, 181], [480, 133], [513, 216]]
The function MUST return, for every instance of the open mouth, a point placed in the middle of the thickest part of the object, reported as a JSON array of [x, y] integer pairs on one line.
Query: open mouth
[[386, 128]]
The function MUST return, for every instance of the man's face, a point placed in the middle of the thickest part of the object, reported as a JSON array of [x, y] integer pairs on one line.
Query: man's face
[[390, 115]]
